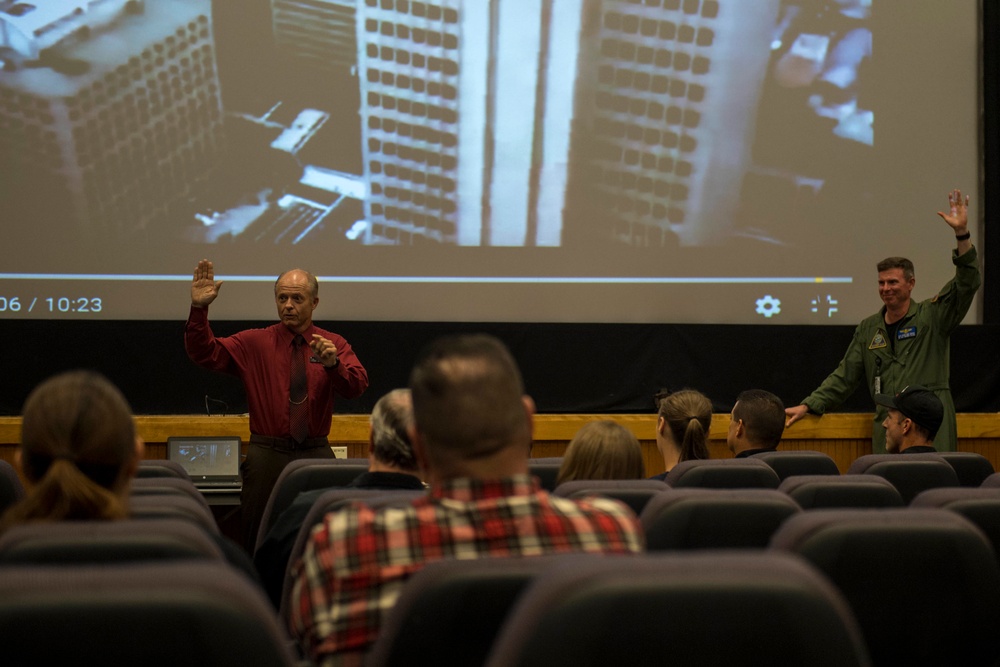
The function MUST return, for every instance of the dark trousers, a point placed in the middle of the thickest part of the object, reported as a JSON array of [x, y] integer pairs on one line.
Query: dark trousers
[[260, 469]]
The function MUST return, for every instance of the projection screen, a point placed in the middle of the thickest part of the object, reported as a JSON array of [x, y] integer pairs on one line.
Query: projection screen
[[705, 161]]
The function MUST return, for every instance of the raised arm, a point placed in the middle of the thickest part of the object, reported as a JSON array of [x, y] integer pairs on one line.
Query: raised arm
[[204, 288], [202, 346], [958, 219]]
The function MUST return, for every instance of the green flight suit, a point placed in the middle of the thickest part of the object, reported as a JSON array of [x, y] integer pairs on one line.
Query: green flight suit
[[922, 350]]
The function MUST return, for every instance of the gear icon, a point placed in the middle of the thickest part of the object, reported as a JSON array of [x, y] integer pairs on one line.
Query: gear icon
[[768, 306]]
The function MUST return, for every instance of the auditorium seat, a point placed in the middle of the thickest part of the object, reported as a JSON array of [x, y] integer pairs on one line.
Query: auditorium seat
[[150, 614], [738, 609], [972, 469], [991, 482], [82, 542], [981, 506], [172, 506], [11, 489], [909, 473], [682, 519], [924, 584], [633, 492], [306, 475], [546, 469], [329, 502], [798, 462], [449, 612], [841, 491], [168, 485], [723, 474], [161, 468]]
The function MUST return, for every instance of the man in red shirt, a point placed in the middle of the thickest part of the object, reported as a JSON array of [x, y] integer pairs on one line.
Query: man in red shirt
[[282, 427]]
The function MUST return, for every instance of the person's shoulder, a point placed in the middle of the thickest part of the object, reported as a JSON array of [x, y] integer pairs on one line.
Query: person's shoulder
[[258, 334], [357, 516], [876, 319], [591, 506]]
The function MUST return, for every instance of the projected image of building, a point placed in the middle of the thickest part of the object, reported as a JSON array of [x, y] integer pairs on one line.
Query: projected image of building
[[473, 114], [466, 115], [110, 113], [665, 119]]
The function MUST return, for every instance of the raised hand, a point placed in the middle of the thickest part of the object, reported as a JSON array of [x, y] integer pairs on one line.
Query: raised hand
[[324, 350], [204, 288], [958, 215]]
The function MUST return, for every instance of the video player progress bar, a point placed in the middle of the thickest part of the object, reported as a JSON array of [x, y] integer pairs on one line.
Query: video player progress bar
[[562, 280]]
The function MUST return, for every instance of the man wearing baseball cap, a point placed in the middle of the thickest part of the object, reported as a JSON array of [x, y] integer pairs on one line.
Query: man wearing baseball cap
[[915, 415]]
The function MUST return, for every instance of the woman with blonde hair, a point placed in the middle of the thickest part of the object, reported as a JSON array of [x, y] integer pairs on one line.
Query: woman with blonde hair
[[602, 450], [79, 451], [682, 422]]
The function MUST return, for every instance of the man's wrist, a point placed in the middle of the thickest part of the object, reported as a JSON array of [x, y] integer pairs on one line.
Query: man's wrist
[[964, 236]]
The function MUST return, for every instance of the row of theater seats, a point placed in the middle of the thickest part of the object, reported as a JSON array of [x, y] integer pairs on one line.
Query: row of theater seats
[[721, 505], [156, 589], [920, 586], [832, 587], [913, 582]]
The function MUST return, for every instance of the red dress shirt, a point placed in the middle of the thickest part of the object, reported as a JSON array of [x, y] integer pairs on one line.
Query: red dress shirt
[[261, 358]]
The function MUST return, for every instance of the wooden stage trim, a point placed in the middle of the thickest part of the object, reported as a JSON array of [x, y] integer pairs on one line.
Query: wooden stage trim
[[844, 436]]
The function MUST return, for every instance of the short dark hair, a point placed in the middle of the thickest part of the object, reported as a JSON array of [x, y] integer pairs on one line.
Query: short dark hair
[[468, 397], [923, 431], [897, 263], [763, 416]]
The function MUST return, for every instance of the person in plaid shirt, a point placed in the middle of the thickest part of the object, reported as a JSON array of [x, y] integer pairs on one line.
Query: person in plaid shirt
[[472, 437]]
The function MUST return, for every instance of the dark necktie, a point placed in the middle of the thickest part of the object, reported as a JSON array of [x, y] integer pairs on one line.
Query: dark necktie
[[298, 394]]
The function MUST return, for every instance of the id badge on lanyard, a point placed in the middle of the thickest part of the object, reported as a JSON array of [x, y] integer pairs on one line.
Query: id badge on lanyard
[[878, 375]]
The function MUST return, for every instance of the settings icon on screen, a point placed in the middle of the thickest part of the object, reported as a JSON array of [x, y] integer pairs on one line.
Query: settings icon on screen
[[768, 306]]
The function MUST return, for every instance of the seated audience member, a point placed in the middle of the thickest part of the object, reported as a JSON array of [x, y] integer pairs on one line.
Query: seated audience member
[[682, 422], [79, 451], [472, 435], [391, 466], [602, 450], [756, 423], [915, 415]]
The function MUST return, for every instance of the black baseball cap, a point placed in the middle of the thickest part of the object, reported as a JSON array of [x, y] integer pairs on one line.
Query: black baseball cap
[[919, 404]]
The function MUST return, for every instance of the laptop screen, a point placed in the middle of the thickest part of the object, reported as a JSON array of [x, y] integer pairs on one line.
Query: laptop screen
[[210, 461]]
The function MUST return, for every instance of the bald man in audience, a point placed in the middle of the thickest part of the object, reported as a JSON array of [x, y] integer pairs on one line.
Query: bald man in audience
[[391, 466], [472, 434], [756, 424]]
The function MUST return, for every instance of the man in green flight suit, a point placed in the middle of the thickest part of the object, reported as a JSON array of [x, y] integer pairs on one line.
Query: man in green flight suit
[[907, 341]]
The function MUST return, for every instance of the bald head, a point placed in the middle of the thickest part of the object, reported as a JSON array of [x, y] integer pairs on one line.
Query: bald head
[[296, 296], [301, 277], [391, 419]]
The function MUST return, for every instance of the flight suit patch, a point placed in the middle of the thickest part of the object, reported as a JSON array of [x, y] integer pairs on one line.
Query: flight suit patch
[[906, 332], [878, 341]]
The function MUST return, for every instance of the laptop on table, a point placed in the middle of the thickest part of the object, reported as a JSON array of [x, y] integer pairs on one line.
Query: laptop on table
[[213, 463]]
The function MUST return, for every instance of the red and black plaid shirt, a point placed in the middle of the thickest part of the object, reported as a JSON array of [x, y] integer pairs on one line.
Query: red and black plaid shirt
[[358, 559]]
